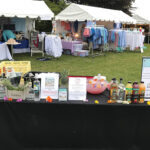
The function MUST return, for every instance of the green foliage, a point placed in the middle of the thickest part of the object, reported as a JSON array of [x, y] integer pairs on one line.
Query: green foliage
[[55, 6], [43, 26], [9, 86], [64, 76]]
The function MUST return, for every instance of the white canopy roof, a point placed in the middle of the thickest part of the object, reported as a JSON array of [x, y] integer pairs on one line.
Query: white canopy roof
[[25, 8], [81, 13], [140, 20]]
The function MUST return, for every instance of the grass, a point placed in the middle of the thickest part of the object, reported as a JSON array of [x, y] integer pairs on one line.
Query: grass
[[126, 65]]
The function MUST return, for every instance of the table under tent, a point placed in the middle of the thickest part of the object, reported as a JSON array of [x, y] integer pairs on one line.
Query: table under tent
[[19, 17], [104, 27], [145, 24]]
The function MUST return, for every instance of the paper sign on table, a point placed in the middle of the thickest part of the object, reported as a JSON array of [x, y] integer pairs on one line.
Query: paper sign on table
[[49, 85], [77, 88]]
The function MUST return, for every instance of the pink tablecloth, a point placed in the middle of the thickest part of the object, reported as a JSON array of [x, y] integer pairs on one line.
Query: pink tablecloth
[[70, 44]]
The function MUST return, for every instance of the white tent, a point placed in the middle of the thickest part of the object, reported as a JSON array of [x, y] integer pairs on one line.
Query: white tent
[[140, 20], [81, 13], [25, 8], [23, 13]]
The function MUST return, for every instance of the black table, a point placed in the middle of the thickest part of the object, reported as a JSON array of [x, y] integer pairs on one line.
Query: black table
[[74, 125]]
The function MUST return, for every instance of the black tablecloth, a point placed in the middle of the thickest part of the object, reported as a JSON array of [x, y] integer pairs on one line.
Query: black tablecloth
[[74, 125]]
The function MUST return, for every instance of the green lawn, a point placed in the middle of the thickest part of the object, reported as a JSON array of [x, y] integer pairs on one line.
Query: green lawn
[[126, 65]]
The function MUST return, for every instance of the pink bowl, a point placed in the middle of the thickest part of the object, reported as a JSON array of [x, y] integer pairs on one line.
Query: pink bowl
[[97, 87]]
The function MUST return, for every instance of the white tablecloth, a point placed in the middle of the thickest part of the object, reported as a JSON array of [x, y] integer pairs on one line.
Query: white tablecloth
[[4, 52]]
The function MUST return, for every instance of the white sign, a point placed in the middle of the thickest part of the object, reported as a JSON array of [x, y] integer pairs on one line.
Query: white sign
[[77, 88], [146, 76], [49, 85]]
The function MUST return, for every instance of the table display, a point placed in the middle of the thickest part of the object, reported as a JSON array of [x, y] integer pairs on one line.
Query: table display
[[70, 45], [4, 52], [23, 47], [114, 111]]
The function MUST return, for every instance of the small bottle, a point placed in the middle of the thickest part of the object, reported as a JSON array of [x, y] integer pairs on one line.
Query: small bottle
[[113, 91], [141, 92], [37, 89], [129, 92], [2, 90], [121, 91], [30, 95]]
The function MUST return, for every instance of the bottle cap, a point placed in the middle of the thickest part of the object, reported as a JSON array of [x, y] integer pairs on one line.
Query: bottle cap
[[114, 79]]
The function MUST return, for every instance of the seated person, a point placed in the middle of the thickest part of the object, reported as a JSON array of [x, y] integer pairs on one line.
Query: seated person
[[8, 34]]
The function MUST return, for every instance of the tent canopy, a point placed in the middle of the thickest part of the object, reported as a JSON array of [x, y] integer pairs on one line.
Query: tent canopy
[[140, 20], [25, 8], [81, 13]]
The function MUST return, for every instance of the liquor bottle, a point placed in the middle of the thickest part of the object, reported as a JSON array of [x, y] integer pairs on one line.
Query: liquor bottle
[[129, 92], [30, 94], [121, 91], [113, 91], [37, 89]]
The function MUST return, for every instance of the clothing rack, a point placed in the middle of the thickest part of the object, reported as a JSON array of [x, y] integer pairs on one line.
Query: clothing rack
[[101, 48]]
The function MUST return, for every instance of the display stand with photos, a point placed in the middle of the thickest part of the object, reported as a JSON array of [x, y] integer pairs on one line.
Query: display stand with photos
[[146, 76]]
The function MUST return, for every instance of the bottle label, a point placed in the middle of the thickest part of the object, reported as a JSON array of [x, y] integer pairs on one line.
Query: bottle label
[[114, 94], [121, 94], [135, 91], [36, 87]]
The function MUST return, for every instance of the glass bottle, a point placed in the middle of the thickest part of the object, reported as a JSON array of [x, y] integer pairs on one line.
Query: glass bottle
[[135, 92], [121, 91], [37, 89], [30, 94], [113, 91], [141, 92], [129, 92]]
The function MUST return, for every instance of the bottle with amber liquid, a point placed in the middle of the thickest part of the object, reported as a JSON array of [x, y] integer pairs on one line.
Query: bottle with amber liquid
[[113, 91]]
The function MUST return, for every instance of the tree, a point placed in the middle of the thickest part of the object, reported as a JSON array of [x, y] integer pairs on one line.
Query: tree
[[56, 6], [124, 5]]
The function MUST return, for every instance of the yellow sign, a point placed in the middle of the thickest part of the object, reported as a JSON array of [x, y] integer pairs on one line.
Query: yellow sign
[[18, 66]]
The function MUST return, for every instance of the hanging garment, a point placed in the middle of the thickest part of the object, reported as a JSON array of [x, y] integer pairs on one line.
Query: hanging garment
[[86, 32], [53, 46], [76, 26]]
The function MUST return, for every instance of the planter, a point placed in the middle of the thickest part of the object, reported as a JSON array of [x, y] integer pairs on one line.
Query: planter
[[16, 94]]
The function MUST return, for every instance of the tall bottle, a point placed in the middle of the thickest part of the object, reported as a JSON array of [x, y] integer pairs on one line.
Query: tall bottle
[[135, 93], [121, 91], [141, 92], [113, 91], [30, 94], [37, 88], [129, 92]]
